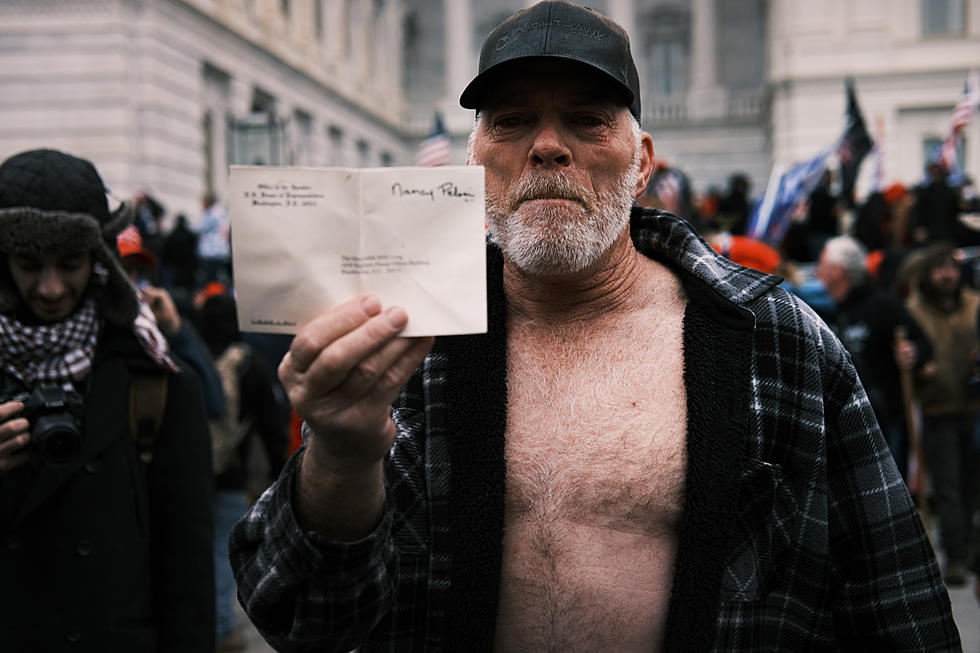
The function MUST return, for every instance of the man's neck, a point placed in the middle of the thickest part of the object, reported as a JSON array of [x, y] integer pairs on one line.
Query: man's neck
[[618, 282]]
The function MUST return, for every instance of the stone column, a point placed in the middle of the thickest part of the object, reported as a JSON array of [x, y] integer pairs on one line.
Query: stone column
[[706, 98], [360, 57], [335, 29], [302, 21], [390, 55], [461, 63], [624, 13]]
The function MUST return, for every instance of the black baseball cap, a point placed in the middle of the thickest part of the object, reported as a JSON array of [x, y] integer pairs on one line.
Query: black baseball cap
[[558, 30]]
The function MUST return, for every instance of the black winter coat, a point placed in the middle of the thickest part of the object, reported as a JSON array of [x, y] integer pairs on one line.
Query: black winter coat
[[865, 323], [108, 553]]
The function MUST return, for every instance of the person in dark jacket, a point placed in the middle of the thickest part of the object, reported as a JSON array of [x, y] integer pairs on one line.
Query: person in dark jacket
[[179, 256], [935, 215], [883, 339], [242, 474], [105, 513], [734, 210]]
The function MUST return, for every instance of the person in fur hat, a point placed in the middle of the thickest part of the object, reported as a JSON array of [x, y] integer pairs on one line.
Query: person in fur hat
[[105, 471]]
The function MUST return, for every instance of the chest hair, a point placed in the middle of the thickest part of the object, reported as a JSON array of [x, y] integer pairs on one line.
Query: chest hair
[[596, 438]]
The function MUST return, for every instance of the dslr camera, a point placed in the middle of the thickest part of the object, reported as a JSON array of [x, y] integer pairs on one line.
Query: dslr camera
[[55, 415]]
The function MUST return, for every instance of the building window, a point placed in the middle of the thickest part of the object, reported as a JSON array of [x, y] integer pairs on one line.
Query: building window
[[942, 17], [667, 48], [336, 136], [363, 154], [259, 138], [303, 145], [387, 160], [217, 89]]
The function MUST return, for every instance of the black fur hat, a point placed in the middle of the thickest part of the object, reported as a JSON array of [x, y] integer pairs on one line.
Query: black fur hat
[[55, 202]]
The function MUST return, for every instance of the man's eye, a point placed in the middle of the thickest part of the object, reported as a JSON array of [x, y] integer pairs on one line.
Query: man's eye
[[507, 122], [27, 265], [590, 121]]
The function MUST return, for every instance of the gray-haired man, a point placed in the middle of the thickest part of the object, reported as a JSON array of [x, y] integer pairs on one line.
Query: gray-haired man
[[651, 449]]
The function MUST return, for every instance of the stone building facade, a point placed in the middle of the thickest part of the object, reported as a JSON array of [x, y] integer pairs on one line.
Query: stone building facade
[[165, 94]]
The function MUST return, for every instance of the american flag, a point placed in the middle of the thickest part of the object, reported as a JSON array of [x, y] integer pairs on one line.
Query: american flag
[[435, 150], [962, 113]]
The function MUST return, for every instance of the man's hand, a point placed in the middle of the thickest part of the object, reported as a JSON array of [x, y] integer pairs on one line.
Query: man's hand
[[164, 309], [15, 435], [905, 354], [341, 374]]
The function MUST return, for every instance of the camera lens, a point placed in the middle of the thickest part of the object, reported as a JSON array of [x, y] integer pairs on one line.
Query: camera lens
[[57, 438]]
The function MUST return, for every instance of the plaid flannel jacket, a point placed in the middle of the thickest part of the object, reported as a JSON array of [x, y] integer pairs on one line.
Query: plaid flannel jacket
[[810, 543]]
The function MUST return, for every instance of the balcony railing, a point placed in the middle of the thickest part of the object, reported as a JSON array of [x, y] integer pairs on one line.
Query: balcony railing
[[739, 108]]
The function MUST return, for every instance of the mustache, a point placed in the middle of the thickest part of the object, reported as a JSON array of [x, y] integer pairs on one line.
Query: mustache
[[557, 186]]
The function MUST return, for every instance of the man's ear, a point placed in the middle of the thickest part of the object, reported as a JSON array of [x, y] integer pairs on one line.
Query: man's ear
[[647, 160]]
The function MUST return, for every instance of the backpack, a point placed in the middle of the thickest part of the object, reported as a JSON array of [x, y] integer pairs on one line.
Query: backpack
[[228, 431], [147, 401]]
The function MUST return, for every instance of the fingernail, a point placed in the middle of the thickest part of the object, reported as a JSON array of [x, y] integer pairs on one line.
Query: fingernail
[[371, 305], [397, 317]]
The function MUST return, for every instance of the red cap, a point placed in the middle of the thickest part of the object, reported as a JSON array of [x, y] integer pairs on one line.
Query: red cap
[[894, 192], [130, 245]]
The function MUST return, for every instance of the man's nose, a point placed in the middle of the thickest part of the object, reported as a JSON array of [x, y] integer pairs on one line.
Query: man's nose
[[50, 285], [549, 148]]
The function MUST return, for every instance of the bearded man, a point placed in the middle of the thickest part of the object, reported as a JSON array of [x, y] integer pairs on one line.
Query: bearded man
[[652, 448], [947, 311]]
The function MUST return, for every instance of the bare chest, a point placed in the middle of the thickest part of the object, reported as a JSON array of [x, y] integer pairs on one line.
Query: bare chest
[[596, 440]]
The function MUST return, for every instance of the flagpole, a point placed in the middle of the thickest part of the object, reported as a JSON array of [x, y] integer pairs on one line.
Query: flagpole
[[768, 199]]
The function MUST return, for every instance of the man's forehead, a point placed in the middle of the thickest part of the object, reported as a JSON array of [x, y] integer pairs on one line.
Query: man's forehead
[[48, 257]]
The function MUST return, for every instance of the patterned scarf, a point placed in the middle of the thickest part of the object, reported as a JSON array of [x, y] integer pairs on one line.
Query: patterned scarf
[[62, 352]]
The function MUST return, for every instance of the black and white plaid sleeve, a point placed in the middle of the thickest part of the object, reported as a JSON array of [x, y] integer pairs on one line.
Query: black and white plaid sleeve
[[889, 592], [306, 593], [303, 592], [843, 561]]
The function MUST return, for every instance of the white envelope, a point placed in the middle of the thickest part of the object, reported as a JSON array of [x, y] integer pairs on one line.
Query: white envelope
[[307, 239]]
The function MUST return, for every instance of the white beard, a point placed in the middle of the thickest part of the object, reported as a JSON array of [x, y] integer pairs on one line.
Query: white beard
[[560, 237]]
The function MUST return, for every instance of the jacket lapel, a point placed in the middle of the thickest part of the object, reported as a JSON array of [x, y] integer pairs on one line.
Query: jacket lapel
[[476, 414], [717, 364]]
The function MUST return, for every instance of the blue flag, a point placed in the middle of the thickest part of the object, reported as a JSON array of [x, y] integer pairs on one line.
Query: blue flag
[[774, 212]]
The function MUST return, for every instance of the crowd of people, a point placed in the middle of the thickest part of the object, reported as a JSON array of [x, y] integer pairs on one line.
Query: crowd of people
[[651, 445], [185, 276], [896, 279]]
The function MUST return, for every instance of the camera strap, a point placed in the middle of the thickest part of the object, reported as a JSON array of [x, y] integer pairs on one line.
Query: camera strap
[[147, 401]]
